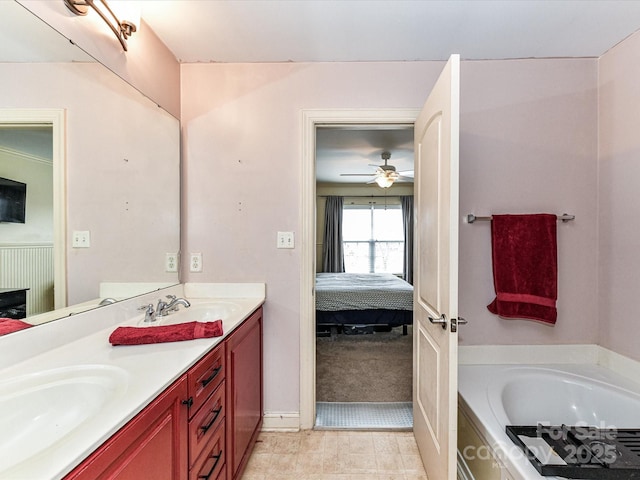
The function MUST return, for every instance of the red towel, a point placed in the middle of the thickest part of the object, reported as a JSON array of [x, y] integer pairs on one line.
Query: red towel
[[165, 333], [525, 268], [9, 325]]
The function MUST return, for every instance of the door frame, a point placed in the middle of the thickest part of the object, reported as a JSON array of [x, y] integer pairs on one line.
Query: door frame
[[311, 119], [56, 118]]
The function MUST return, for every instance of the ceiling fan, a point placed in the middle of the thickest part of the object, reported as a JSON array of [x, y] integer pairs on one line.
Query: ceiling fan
[[385, 175]]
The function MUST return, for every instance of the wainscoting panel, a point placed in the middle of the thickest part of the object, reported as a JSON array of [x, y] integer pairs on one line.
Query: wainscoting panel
[[29, 266]]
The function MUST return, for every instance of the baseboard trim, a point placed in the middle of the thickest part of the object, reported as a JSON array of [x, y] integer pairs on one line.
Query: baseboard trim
[[281, 422]]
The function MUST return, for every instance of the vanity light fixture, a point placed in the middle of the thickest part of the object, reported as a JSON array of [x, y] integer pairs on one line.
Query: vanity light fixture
[[121, 29]]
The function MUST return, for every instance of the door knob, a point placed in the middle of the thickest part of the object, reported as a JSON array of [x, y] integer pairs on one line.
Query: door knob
[[442, 321]]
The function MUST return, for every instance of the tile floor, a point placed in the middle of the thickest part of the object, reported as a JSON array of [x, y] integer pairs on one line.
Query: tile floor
[[335, 455]]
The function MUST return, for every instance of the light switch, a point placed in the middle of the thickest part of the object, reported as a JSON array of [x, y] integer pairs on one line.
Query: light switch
[[81, 239], [285, 240]]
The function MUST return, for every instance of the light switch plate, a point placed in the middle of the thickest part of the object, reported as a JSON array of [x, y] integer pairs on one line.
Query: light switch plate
[[285, 240], [81, 239]]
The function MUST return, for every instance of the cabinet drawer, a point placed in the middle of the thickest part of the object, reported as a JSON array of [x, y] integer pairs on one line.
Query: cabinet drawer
[[205, 377], [204, 423], [210, 463]]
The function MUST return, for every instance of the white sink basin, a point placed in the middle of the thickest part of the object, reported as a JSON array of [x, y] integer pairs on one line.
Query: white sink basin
[[40, 409], [200, 312]]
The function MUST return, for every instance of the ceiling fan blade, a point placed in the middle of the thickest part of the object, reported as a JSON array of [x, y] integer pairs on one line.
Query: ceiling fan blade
[[358, 174], [406, 173]]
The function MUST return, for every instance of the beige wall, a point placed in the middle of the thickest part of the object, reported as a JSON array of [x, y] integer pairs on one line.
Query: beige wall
[[528, 143], [619, 201], [37, 173], [148, 65], [122, 171]]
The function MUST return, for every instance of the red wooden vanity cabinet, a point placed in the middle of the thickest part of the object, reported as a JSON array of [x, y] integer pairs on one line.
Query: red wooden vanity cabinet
[[152, 445], [203, 427], [206, 415], [244, 393]]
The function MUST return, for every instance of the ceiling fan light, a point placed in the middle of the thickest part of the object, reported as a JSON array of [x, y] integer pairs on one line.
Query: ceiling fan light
[[384, 181]]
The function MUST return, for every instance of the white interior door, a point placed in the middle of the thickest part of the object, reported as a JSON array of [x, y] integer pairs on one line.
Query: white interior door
[[436, 276]]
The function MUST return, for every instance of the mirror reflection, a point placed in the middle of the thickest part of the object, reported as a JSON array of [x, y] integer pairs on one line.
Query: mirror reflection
[[99, 191]]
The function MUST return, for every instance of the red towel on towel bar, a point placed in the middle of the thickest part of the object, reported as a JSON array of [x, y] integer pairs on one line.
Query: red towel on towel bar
[[525, 268], [165, 333], [9, 325]]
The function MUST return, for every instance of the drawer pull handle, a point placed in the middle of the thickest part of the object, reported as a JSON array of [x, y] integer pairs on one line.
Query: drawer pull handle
[[208, 380], [188, 402], [216, 413], [213, 469]]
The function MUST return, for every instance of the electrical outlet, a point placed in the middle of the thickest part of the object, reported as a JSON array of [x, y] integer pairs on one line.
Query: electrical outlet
[[285, 240], [171, 262], [81, 239], [195, 263]]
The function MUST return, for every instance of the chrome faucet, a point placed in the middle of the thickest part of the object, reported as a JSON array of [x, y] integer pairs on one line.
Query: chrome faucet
[[149, 313], [163, 308]]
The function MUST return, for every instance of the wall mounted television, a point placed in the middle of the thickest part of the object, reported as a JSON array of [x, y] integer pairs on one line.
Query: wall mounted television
[[13, 201]]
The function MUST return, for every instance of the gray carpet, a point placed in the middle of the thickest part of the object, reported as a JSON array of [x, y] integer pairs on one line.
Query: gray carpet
[[364, 368]]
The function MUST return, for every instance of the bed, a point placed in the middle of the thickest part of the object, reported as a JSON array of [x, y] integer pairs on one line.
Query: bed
[[363, 299]]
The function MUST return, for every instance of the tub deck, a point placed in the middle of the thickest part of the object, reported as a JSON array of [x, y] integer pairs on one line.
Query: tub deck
[[493, 396]]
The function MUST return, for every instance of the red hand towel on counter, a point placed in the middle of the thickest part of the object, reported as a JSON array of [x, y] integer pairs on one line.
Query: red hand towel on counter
[[10, 325], [165, 333], [525, 267]]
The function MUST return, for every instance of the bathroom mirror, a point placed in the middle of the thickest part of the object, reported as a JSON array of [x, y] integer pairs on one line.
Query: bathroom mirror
[[120, 173]]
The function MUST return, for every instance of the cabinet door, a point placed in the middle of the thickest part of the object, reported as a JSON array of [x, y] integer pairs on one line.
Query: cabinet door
[[153, 445], [244, 392]]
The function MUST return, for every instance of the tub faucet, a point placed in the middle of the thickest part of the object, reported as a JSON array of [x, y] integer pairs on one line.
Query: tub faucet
[[165, 308]]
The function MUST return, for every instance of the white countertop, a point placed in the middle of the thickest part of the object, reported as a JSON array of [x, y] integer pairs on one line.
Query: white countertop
[[149, 370]]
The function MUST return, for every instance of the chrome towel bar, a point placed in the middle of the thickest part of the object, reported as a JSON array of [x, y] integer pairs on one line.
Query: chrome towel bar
[[565, 217]]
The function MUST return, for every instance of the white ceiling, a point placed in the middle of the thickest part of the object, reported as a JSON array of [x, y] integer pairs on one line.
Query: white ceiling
[[355, 150], [388, 30], [384, 30]]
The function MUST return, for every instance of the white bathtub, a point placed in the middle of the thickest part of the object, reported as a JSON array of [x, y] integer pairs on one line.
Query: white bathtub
[[493, 396]]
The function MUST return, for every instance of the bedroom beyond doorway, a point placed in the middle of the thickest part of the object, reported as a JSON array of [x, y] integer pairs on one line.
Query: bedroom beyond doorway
[[363, 351], [363, 381]]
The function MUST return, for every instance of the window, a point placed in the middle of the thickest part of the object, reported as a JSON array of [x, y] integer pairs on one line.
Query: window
[[373, 239]]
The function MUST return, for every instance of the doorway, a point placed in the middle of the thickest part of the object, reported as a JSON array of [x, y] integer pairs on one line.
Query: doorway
[[48, 292], [313, 119], [364, 330]]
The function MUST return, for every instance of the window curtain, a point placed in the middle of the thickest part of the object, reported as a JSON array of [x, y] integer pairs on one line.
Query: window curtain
[[407, 216], [332, 250]]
